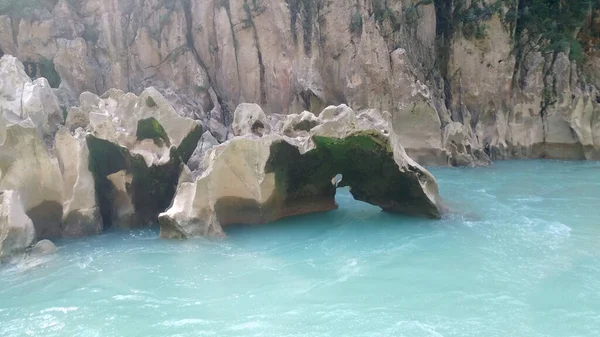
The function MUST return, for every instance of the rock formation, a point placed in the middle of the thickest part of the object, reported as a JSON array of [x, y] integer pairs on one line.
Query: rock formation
[[113, 96], [42, 163], [115, 162], [258, 178], [81, 213], [136, 146], [28, 120], [43, 247], [406, 57], [16, 228]]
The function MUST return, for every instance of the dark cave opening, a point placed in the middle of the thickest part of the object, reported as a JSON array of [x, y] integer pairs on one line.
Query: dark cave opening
[[43, 68]]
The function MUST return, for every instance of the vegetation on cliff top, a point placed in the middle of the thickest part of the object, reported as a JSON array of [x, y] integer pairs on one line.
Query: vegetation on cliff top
[[535, 25], [550, 25]]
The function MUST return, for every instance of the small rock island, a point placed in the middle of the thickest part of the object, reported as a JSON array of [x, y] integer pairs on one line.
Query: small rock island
[[126, 161]]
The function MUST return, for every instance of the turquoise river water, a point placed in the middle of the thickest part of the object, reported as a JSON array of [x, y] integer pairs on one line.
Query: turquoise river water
[[521, 258]]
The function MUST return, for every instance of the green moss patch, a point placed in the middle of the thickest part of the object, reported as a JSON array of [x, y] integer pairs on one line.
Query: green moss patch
[[189, 143], [150, 102], [365, 160], [301, 176], [150, 128], [105, 158], [152, 188], [343, 149]]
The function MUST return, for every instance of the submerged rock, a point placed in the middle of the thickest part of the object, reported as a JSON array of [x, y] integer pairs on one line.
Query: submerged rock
[[16, 228], [257, 180], [43, 247]]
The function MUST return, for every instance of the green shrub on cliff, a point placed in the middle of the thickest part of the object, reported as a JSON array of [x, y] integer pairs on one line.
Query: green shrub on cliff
[[550, 25], [540, 25], [356, 23]]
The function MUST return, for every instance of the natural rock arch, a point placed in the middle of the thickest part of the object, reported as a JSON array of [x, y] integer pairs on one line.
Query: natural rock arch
[[255, 180], [365, 161]]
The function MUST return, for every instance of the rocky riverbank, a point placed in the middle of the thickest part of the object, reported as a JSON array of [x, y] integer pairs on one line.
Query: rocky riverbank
[[204, 113]]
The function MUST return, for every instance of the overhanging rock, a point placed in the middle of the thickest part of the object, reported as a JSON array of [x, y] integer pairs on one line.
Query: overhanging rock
[[255, 180]]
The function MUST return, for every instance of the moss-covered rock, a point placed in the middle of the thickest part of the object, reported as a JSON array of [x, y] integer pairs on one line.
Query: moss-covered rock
[[153, 188], [301, 179], [256, 180], [105, 159], [366, 161], [150, 128], [189, 143], [150, 188], [135, 179]]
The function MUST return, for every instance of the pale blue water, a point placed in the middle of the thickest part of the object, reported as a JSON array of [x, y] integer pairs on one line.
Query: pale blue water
[[524, 261]]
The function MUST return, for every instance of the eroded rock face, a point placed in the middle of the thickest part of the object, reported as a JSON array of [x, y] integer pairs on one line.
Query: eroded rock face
[[81, 213], [22, 98], [207, 57], [250, 119], [298, 125], [28, 167], [48, 169], [206, 143], [261, 179], [16, 228], [536, 108], [137, 145]]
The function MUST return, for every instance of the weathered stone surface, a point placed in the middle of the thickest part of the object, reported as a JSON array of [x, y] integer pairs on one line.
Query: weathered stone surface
[[127, 120], [22, 98], [258, 180], [16, 228], [122, 210], [48, 169], [250, 119], [299, 125], [206, 143], [218, 130], [79, 116], [461, 147], [28, 168], [335, 121], [137, 145], [81, 214]]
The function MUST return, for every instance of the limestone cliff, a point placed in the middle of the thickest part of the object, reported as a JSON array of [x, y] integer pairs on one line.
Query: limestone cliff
[[457, 93]]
